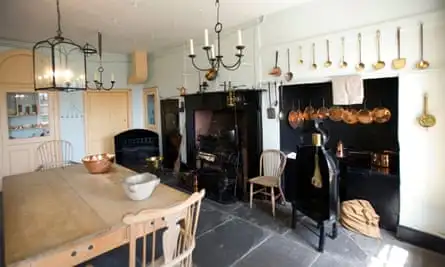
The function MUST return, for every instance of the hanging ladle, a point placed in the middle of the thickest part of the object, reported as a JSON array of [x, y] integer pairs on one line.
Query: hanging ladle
[[328, 62], [343, 63], [360, 66], [380, 64], [289, 75], [422, 64], [314, 65], [301, 61]]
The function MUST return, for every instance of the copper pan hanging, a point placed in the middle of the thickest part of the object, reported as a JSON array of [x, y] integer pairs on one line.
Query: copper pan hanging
[[309, 112], [381, 114], [336, 113], [295, 117], [323, 112], [365, 116], [349, 116]]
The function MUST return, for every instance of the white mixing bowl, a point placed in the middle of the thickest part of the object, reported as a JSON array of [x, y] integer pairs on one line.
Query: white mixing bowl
[[141, 186]]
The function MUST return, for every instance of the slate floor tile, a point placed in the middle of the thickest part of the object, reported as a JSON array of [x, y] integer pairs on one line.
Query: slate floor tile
[[342, 246], [261, 215], [225, 244], [210, 204], [210, 218], [329, 260], [279, 251]]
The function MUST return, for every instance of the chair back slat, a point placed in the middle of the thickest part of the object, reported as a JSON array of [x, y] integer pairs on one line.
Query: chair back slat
[[55, 154], [178, 223], [272, 163]]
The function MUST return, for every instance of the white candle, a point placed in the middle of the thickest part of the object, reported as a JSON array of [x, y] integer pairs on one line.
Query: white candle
[[192, 48], [96, 76], [212, 50], [206, 37], [112, 77], [240, 38]]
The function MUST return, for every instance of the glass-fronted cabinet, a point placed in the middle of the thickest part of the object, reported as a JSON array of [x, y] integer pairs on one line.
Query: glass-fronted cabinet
[[28, 115], [151, 108]]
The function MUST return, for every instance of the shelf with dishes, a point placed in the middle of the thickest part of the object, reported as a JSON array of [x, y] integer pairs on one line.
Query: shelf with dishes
[[29, 127]]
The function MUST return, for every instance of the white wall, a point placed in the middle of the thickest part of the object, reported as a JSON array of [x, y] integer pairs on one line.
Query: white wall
[[422, 151]]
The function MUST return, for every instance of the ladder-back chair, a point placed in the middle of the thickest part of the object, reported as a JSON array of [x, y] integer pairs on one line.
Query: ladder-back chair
[[55, 154], [178, 239], [272, 163]]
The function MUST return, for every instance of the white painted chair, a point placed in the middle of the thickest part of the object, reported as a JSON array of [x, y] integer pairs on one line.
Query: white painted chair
[[272, 163], [178, 239], [55, 154]]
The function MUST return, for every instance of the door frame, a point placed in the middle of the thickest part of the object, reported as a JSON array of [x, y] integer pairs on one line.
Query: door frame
[[85, 108], [151, 91]]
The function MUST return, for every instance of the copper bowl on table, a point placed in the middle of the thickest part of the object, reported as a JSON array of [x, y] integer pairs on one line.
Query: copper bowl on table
[[98, 163]]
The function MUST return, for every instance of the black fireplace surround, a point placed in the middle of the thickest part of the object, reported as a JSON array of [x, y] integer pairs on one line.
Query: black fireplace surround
[[134, 146], [250, 107]]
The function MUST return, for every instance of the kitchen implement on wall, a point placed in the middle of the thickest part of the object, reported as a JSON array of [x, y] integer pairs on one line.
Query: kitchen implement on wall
[[381, 114], [343, 63], [289, 75], [295, 117], [350, 116], [360, 66], [281, 113], [336, 113], [398, 63], [270, 110], [309, 112], [314, 65], [323, 112], [211, 74], [426, 120], [277, 94], [422, 64], [328, 62], [382, 159], [380, 64], [301, 61], [364, 115], [276, 71]]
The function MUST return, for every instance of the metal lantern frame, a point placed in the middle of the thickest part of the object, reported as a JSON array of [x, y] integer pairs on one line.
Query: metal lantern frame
[[60, 45]]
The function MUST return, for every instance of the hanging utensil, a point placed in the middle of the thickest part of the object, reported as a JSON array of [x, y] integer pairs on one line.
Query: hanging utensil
[[289, 75], [314, 65], [350, 116], [380, 64], [360, 66], [328, 62], [336, 113], [426, 120], [309, 112], [211, 74], [295, 116], [323, 112], [270, 110], [422, 64], [301, 61], [281, 113], [364, 115], [276, 71], [343, 63], [398, 63], [381, 114], [276, 93]]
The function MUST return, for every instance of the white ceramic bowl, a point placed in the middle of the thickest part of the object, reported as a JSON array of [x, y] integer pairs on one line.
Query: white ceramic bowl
[[141, 186]]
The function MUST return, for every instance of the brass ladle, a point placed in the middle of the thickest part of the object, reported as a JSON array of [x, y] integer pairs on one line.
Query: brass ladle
[[343, 63], [328, 62], [301, 55], [314, 65], [422, 64], [380, 64], [360, 66]]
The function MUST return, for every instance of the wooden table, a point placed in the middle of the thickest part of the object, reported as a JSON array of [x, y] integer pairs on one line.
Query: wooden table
[[63, 217]]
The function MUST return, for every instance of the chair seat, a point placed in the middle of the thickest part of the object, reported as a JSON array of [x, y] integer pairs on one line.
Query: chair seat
[[270, 181]]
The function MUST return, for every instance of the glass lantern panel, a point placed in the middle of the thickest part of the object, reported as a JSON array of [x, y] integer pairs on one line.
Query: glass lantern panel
[[69, 66], [151, 121], [28, 115]]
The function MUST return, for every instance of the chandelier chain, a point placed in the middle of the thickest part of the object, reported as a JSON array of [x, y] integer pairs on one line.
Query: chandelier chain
[[59, 27]]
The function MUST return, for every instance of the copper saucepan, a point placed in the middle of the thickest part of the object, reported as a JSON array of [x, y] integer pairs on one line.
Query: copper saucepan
[[381, 114], [364, 115], [350, 116], [336, 113]]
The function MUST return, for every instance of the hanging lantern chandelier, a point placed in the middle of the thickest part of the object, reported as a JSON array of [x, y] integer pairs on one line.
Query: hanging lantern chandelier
[[215, 58], [59, 63], [98, 75]]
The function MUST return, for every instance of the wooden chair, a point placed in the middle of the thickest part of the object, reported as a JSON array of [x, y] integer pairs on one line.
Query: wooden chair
[[178, 239], [272, 163], [55, 154]]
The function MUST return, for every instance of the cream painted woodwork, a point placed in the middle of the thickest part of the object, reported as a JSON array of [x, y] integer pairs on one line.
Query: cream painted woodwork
[[84, 212], [151, 109], [16, 76], [106, 114]]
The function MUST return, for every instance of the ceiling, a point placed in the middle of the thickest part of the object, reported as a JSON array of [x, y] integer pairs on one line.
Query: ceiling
[[127, 24]]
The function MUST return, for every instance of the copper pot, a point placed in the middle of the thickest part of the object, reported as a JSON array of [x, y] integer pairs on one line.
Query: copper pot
[[381, 159]]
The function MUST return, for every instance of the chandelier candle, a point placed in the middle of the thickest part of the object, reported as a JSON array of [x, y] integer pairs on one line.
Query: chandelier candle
[[213, 52]]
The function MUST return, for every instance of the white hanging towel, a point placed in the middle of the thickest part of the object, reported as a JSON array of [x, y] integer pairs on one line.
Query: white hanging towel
[[339, 91], [355, 90]]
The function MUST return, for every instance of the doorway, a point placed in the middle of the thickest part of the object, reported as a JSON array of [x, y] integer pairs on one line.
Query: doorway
[[170, 131], [106, 114]]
